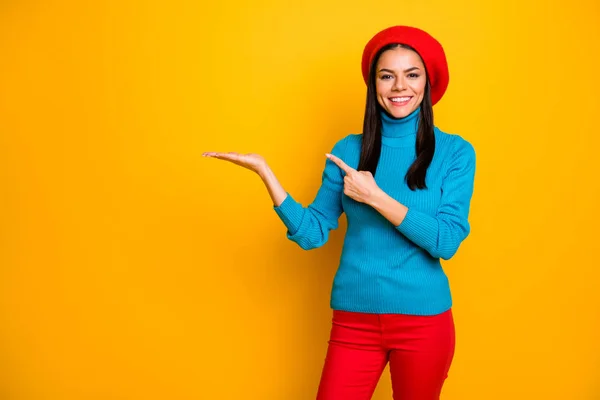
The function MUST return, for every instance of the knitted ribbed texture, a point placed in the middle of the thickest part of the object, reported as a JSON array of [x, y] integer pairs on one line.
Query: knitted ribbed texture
[[385, 268]]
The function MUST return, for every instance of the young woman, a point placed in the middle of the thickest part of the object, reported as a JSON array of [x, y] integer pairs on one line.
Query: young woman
[[405, 187]]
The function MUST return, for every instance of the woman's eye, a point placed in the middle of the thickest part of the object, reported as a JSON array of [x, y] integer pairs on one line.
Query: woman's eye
[[385, 76], [413, 75]]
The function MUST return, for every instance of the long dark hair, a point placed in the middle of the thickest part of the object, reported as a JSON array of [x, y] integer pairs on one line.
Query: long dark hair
[[371, 138]]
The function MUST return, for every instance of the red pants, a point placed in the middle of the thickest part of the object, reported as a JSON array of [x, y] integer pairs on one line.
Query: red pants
[[419, 349]]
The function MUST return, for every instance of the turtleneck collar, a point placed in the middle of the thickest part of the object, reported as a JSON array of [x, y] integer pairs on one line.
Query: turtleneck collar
[[399, 132]]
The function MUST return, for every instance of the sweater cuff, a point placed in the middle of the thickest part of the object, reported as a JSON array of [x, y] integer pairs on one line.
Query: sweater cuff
[[420, 228], [291, 213]]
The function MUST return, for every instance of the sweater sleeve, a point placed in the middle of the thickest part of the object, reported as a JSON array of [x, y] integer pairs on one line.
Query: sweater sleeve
[[442, 234], [309, 226]]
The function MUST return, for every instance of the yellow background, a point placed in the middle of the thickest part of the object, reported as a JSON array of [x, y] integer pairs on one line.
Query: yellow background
[[134, 268]]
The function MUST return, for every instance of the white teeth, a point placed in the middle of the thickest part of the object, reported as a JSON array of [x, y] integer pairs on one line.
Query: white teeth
[[400, 99]]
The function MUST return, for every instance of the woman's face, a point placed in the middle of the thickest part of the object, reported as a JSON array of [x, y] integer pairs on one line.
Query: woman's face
[[400, 81]]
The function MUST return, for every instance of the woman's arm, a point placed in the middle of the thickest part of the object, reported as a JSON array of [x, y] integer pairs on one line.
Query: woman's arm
[[440, 235], [276, 191], [391, 209], [307, 226], [255, 163]]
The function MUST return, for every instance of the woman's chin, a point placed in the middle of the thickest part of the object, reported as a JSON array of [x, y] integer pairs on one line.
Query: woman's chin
[[400, 112]]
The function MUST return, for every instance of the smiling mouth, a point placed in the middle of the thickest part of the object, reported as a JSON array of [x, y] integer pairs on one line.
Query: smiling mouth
[[398, 100]]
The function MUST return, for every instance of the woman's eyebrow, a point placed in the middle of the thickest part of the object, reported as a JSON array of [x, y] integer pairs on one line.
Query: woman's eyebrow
[[406, 70]]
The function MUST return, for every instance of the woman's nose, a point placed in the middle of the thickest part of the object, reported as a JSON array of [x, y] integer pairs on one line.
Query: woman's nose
[[399, 84]]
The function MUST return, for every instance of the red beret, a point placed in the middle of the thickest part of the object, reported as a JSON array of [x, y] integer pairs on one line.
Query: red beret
[[429, 49]]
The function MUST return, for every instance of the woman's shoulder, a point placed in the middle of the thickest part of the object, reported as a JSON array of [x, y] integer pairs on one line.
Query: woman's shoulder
[[454, 142], [349, 141], [352, 138]]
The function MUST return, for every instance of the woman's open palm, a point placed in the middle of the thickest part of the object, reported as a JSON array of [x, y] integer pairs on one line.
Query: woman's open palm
[[251, 161]]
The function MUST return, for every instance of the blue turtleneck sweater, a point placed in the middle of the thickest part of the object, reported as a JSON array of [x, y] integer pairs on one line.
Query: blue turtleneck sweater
[[385, 268]]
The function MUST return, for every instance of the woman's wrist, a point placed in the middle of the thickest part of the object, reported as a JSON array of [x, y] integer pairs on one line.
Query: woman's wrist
[[276, 191], [264, 171]]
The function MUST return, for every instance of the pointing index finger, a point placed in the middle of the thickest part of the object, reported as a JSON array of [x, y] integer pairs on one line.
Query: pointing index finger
[[340, 163]]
